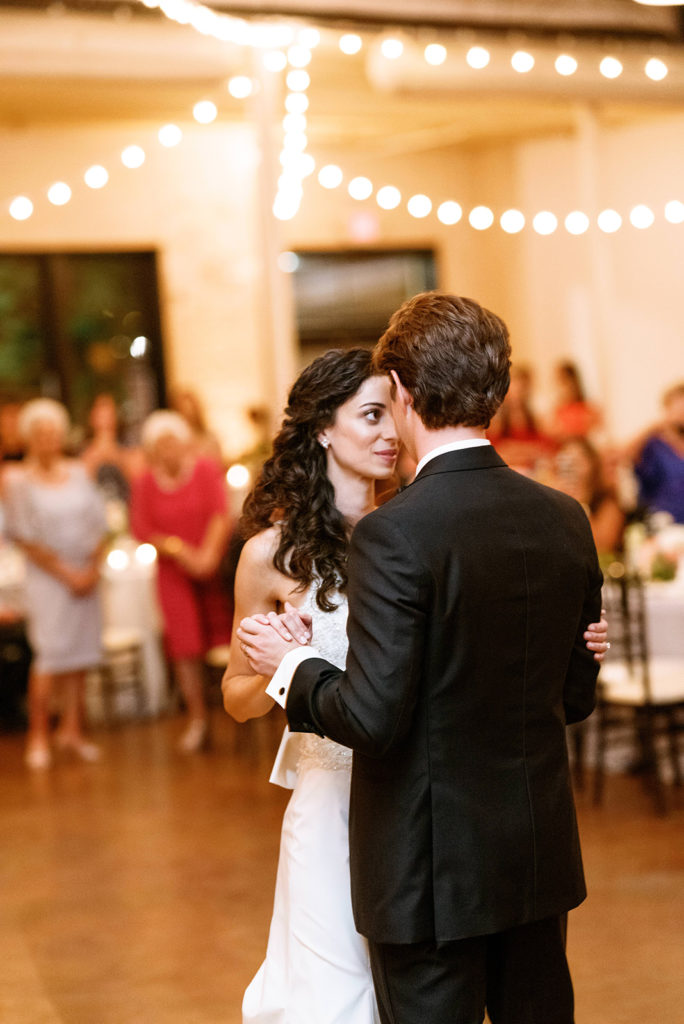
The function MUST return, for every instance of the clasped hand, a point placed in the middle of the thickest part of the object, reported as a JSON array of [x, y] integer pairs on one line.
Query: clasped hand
[[266, 639]]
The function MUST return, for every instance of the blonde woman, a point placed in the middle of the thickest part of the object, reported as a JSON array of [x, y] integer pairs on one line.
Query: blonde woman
[[55, 515]]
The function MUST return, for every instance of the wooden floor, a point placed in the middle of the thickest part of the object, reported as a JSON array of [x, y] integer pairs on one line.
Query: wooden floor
[[138, 890]]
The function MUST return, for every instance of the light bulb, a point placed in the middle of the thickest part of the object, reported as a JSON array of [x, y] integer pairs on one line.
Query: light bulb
[[481, 218], [133, 156], [576, 223], [360, 188], [419, 206], [170, 135], [545, 222], [435, 54], [59, 193], [522, 61], [330, 176], [388, 197], [449, 212], [512, 221]]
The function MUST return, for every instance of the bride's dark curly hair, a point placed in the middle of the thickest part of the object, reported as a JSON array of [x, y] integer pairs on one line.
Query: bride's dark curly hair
[[293, 488]]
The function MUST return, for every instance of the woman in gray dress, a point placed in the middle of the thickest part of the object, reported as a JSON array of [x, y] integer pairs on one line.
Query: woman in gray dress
[[56, 516]]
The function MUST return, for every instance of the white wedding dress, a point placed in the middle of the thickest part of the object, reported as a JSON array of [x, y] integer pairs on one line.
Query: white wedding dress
[[316, 969]]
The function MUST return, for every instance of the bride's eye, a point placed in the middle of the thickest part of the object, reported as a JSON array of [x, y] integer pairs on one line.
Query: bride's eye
[[373, 415]]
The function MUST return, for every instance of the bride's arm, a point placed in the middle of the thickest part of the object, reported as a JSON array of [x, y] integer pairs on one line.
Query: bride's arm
[[256, 592]]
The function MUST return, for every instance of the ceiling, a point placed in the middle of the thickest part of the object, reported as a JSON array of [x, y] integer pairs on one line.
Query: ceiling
[[99, 62]]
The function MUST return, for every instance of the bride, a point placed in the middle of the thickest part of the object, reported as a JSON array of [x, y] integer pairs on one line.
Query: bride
[[336, 441]]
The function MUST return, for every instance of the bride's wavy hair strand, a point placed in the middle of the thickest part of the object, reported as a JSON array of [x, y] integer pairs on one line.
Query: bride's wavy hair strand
[[293, 488]]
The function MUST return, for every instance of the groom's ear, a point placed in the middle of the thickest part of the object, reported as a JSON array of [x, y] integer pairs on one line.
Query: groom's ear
[[400, 391]]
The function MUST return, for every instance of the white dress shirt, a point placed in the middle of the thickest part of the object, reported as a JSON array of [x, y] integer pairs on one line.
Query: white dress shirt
[[280, 683]]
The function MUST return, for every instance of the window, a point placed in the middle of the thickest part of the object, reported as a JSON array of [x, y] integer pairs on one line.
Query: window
[[346, 298], [73, 325]]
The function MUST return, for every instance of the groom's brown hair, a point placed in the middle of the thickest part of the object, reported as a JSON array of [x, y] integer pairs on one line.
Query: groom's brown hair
[[451, 355]]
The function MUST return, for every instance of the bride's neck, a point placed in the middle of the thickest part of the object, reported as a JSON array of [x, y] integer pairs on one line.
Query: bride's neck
[[354, 495]]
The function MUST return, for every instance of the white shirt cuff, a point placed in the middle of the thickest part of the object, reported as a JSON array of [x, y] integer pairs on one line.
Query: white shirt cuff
[[281, 681]]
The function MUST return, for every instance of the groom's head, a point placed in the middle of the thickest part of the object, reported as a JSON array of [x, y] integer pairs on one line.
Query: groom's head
[[451, 356]]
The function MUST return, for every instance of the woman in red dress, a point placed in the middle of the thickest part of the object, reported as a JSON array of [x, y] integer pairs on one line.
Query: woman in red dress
[[179, 504]]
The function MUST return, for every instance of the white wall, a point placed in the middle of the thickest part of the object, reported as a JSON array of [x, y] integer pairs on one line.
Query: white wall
[[197, 206], [613, 303]]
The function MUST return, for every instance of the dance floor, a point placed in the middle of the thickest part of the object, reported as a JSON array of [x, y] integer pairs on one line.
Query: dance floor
[[138, 890]]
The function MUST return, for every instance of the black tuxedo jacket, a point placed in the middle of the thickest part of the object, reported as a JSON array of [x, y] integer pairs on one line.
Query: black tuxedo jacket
[[468, 596]]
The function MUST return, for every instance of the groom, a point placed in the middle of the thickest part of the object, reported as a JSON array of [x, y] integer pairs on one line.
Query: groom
[[468, 596]]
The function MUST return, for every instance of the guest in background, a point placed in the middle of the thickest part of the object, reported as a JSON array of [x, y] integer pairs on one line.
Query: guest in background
[[111, 465], [514, 431], [186, 403], [55, 515], [658, 458], [179, 504], [579, 472], [573, 415], [11, 442]]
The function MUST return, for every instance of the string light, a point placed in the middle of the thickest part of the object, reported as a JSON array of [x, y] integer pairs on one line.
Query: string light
[[272, 38], [392, 48], [545, 222], [96, 176], [298, 80], [169, 135], [360, 188], [674, 212], [309, 37], [576, 223], [481, 218], [609, 221], [477, 57], [21, 208], [330, 176], [240, 87], [435, 54], [610, 67], [133, 156], [512, 221], [565, 64], [388, 197], [449, 212], [419, 206], [522, 62], [299, 56], [204, 112], [641, 216], [59, 194], [274, 60], [350, 43], [656, 69]]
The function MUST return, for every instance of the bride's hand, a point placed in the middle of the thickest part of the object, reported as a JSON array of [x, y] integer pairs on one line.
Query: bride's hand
[[262, 645], [596, 636]]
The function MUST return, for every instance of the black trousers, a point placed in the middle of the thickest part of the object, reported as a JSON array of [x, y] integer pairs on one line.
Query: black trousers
[[520, 976]]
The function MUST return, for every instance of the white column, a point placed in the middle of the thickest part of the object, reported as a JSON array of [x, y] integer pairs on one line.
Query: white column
[[592, 321], [276, 312]]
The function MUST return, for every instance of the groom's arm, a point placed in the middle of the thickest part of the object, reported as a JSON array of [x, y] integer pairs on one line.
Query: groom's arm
[[579, 692], [369, 705]]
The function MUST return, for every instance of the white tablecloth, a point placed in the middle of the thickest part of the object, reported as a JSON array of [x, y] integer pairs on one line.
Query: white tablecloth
[[665, 615]]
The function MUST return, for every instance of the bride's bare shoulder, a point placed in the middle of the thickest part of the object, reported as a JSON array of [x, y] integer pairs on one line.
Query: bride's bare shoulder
[[259, 551]]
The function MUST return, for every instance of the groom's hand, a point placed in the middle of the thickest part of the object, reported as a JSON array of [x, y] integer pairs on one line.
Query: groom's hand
[[266, 639]]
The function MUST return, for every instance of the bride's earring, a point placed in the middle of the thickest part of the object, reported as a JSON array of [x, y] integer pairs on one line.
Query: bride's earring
[[324, 442]]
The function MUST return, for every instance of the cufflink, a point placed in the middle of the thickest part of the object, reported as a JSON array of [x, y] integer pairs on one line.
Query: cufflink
[[281, 691]]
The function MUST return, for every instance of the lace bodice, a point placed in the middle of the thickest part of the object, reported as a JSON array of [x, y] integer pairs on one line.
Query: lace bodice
[[330, 640]]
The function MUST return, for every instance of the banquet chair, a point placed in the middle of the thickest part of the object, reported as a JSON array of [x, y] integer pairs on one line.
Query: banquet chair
[[122, 671], [640, 698]]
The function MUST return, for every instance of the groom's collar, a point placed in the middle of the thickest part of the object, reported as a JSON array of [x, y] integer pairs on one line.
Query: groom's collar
[[453, 446]]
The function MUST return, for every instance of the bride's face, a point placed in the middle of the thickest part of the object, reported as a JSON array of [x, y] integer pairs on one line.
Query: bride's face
[[363, 438]]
